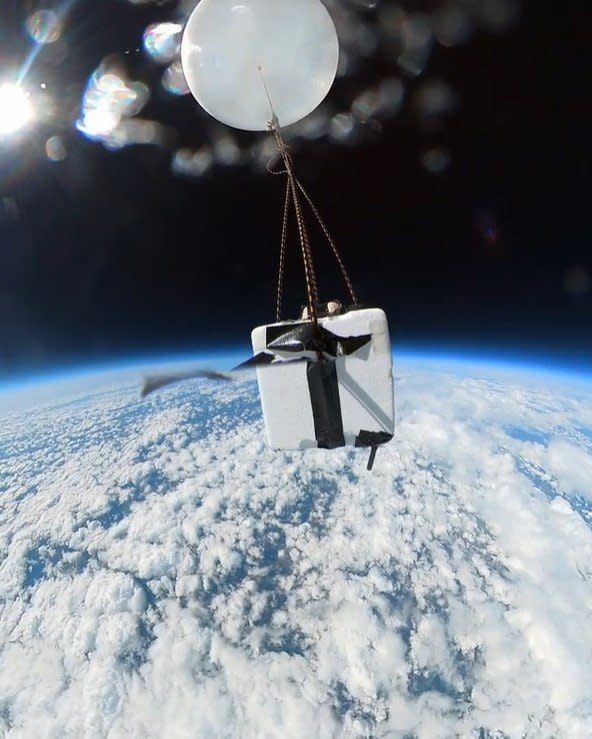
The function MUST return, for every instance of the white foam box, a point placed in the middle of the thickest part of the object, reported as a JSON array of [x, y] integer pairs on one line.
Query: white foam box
[[364, 382]]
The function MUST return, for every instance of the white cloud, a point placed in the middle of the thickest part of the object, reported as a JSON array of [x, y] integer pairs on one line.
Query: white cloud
[[162, 573], [572, 466]]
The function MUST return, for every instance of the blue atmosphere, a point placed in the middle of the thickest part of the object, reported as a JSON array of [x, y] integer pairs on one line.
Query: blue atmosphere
[[566, 366]]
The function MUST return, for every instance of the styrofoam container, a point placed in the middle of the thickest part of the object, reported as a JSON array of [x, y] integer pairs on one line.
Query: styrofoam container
[[364, 385]]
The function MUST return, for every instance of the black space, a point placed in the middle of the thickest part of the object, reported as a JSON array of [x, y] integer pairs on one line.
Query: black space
[[107, 254]]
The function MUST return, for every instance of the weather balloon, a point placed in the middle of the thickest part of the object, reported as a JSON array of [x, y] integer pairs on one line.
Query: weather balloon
[[246, 60]]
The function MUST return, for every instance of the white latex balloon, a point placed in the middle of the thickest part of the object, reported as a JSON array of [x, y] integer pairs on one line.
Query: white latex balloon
[[233, 49]]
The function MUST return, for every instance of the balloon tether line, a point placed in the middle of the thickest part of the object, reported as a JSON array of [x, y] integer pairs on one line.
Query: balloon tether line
[[293, 187]]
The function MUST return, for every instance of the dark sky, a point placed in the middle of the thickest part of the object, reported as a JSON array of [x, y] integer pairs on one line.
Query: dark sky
[[108, 254]]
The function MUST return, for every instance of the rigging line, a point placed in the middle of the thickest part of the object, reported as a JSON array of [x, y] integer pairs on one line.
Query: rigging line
[[311, 283], [329, 238], [312, 291], [282, 267], [310, 277]]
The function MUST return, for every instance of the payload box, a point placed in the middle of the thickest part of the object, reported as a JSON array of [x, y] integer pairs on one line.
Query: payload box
[[327, 385]]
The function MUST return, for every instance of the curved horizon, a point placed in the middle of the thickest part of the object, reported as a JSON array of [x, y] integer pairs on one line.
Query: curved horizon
[[504, 359]]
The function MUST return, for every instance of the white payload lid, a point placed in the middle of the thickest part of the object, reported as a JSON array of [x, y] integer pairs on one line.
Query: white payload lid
[[351, 392]]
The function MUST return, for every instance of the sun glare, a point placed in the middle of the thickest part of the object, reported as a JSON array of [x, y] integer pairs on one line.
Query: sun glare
[[16, 109]]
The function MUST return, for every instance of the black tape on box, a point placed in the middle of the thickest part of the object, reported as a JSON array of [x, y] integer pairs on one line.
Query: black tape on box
[[325, 402]]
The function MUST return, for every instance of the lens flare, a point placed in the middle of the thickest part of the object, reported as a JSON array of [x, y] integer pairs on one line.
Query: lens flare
[[108, 100], [55, 149], [44, 27], [191, 162], [16, 109], [173, 80], [162, 41]]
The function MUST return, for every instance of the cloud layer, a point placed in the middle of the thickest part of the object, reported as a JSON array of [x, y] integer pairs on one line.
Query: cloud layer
[[162, 573]]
